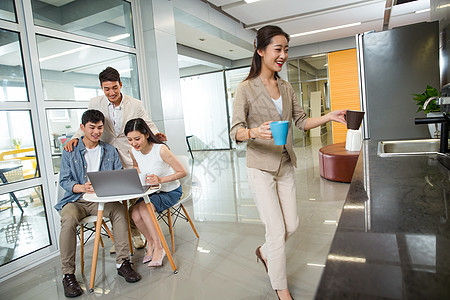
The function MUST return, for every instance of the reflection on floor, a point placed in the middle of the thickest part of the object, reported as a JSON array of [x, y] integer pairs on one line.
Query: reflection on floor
[[221, 264], [22, 232]]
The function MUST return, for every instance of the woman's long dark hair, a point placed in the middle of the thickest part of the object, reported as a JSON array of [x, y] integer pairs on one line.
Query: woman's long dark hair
[[139, 124], [263, 39]]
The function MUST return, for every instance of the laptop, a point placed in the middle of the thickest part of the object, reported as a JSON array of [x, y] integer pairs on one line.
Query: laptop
[[117, 182]]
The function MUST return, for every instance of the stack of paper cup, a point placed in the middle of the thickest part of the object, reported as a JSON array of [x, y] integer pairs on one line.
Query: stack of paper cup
[[354, 136]]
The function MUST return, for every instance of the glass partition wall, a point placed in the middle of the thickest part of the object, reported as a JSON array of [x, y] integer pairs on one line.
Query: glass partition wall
[[208, 107], [309, 79], [212, 94], [49, 67]]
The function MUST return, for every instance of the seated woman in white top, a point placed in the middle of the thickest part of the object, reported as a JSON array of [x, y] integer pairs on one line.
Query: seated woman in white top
[[156, 162]]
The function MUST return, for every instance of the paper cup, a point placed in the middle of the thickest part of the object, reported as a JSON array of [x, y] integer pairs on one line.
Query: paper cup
[[142, 177], [354, 119], [279, 131]]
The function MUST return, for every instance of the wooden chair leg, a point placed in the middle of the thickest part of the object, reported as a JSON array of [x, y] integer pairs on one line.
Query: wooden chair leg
[[98, 228], [108, 231], [101, 240], [169, 221], [160, 234], [130, 242], [82, 248], [190, 221]]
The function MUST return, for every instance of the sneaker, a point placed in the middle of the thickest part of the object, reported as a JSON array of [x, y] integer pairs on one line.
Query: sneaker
[[127, 272], [137, 241], [71, 286]]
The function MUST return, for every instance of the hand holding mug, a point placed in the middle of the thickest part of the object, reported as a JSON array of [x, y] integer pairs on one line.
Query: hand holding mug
[[338, 116], [263, 131]]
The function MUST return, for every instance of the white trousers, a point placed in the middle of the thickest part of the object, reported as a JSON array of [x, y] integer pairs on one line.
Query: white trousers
[[274, 195]]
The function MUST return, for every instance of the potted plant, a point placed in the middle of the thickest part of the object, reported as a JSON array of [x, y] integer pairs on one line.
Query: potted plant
[[17, 142], [432, 109], [422, 98]]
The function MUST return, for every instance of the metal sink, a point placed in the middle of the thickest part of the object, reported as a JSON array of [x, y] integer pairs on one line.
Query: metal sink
[[408, 147]]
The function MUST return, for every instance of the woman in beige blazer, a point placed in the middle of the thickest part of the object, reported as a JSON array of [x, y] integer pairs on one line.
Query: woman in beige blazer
[[261, 98]]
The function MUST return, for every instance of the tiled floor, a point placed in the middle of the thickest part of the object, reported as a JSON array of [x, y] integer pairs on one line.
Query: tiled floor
[[221, 264]]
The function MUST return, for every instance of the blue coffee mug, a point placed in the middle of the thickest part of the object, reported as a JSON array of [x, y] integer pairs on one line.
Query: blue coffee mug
[[279, 132]]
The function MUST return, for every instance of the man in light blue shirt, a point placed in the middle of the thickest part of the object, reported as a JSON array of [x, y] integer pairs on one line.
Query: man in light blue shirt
[[89, 155]]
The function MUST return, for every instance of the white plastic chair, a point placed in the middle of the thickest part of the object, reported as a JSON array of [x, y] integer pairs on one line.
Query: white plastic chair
[[84, 225], [178, 210]]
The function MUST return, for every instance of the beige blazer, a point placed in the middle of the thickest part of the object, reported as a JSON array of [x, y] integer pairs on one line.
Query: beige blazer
[[132, 108], [253, 106]]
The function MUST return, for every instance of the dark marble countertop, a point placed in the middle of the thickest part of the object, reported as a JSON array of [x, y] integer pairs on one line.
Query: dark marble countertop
[[393, 236]]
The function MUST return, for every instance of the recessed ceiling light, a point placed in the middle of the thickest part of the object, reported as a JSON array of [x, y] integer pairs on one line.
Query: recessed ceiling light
[[326, 29], [251, 1]]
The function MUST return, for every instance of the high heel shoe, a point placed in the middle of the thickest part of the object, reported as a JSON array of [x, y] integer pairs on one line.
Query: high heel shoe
[[158, 263], [259, 257], [147, 258], [276, 292]]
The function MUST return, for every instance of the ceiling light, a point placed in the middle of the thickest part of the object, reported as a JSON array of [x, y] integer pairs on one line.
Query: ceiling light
[[251, 1], [64, 53], [318, 55], [118, 37], [422, 11], [442, 6], [325, 29]]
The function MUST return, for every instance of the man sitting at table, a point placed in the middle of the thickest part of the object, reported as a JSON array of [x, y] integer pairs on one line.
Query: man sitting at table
[[89, 155]]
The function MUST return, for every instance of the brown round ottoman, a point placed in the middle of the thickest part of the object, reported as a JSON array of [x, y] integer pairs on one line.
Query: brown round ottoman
[[336, 163]]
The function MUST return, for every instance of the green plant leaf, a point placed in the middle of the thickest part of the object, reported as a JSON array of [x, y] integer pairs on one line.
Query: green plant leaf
[[422, 98]]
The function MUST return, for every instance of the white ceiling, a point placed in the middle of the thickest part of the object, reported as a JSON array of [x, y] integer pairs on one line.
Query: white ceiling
[[198, 39], [299, 16], [216, 27]]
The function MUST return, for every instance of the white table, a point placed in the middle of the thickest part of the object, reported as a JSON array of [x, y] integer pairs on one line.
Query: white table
[[101, 204]]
